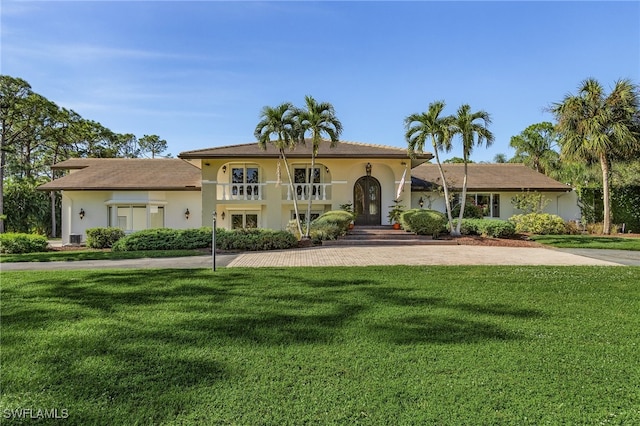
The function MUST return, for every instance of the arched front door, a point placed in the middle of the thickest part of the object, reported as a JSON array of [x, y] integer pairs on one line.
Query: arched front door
[[366, 201]]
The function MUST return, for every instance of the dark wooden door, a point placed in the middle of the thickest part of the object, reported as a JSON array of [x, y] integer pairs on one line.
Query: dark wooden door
[[366, 200]]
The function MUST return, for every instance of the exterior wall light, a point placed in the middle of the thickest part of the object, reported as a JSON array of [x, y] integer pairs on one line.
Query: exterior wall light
[[368, 169], [187, 214], [81, 214], [224, 169], [421, 202], [222, 215]]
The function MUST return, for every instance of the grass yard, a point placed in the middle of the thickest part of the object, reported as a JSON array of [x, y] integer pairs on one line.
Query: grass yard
[[89, 254], [374, 345], [589, 241]]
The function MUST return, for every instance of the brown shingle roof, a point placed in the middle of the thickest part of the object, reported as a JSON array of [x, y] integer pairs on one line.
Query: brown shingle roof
[[342, 149], [99, 174], [485, 177]]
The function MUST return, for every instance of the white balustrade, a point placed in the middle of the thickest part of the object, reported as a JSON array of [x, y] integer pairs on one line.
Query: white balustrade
[[301, 191], [240, 191]]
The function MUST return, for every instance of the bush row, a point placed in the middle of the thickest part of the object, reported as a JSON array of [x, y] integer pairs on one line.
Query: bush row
[[17, 243], [190, 239], [494, 228]]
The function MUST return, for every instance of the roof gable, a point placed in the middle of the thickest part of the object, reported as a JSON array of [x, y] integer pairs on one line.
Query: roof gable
[[485, 177], [99, 174]]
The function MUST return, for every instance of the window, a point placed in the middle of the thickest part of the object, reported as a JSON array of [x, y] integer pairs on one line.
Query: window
[[134, 217], [303, 216], [240, 220], [301, 176], [489, 203], [242, 177]]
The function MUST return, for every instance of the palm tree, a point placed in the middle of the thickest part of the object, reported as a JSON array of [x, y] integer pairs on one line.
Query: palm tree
[[500, 158], [472, 128], [595, 127], [535, 147], [280, 121], [317, 119], [430, 125]]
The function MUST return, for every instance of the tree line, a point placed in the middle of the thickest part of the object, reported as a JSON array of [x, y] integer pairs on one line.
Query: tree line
[[35, 133]]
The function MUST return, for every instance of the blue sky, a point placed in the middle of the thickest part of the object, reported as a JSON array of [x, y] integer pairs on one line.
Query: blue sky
[[198, 73]]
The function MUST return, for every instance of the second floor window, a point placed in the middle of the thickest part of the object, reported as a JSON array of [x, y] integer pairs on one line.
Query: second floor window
[[241, 178]]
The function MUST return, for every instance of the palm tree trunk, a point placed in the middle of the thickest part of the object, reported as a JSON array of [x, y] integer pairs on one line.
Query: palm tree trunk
[[308, 218], [445, 187], [293, 191], [604, 163], [462, 200]]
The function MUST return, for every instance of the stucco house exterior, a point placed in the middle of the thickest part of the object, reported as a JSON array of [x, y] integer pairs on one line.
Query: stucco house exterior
[[132, 194], [249, 187], [492, 186]]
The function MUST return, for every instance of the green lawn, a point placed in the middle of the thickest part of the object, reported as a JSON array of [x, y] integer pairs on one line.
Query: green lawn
[[371, 345], [589, 241], [73, 255]]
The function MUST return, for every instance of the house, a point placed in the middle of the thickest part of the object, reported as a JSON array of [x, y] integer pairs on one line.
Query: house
[[249, 187], [132, 194], [492, 187]]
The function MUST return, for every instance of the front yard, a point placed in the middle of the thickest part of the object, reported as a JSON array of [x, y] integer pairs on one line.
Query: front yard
[[374, 345]]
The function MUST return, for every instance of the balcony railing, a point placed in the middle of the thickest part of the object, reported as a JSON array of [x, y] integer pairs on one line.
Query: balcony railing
[[240, 191], [256, 191], [319, 191]]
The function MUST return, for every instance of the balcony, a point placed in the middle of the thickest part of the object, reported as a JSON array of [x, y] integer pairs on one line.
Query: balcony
[[319, 192], [257, 191], [241, 191]]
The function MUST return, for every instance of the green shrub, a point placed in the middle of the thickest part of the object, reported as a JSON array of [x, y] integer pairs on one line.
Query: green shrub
[[471, 211], [330, 225], [165, 239], [101, 238], [405, 217], [495, 228], [190, 239], [254, 239], [538, 223], [424, 222], [16, 243]]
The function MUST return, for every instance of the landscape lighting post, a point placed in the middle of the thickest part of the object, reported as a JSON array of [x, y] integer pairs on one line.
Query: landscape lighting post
[[213, 242]]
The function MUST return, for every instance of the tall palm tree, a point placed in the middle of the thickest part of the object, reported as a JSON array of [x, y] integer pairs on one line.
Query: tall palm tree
[[595, 127], [472, 128], [280, 121], [317, 119], [535, 147], [430, 125]]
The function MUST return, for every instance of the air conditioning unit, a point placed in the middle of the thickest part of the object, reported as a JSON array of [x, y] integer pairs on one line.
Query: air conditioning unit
[[75, 238]]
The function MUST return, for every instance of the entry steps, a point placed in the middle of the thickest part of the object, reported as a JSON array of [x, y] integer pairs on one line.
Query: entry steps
[[384, 236]]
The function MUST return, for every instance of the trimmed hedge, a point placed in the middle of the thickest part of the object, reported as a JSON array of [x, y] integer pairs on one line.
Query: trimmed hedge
[[190, 239], [17, 243], [495, 228], [330, 225], [423, 222], [165, 239], [254, 239], [539, 223], [101, 238]]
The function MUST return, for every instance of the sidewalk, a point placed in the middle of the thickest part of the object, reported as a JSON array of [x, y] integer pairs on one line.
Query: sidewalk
[[349, 256]]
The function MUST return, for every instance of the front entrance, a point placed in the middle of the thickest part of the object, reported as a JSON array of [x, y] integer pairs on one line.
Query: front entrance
[[366, 201]]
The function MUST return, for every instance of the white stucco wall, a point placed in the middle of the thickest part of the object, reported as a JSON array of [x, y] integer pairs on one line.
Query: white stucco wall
[[95, 205], [563, 204]]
